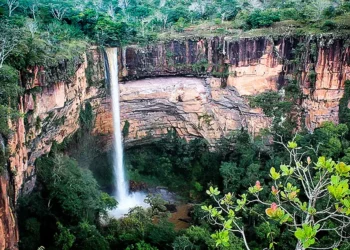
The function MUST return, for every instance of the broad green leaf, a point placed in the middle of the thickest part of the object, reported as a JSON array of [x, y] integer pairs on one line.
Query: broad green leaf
[[292, 145], [274, 175]]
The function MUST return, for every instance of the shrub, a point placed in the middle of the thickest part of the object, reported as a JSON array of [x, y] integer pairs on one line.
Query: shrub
[[126, 127], [10, 89], [289, 14], [180, 24], [330, 12], [141, 246], [344, 112], [258, 19], [86, 117], [312, 78], [328, 26]]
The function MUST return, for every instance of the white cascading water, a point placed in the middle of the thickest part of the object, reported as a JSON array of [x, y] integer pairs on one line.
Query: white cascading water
[[125, 200], [121, 185]]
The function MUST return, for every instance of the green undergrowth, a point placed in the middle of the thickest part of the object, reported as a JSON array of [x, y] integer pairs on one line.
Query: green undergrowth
[[344, 111], [85, 149], [337, 27], [181, 166]]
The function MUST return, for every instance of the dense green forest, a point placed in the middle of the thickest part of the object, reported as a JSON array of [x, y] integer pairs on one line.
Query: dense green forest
[[69, 207], [64, 212]]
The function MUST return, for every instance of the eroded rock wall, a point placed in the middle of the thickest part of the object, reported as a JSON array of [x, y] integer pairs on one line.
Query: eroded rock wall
[[51, 114], [230, 70], [254, 65], [197, 86], [321, 98], [194, 107], [8, 224]]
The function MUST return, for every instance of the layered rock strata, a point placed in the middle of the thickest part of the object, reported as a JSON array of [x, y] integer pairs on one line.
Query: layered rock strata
[[194, 107], [210, 102], [51, 114], [253, 65]]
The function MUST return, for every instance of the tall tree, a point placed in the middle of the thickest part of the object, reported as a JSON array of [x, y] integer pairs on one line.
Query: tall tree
[[12, 5], [10, 36]]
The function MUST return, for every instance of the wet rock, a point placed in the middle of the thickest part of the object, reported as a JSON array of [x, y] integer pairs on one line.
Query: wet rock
[[187, 220], [171, 208], [137, 186]]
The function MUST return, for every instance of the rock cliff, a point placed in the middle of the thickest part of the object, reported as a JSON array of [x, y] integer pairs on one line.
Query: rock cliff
[[197, 86], [195, 107], [51, 114], [227, 72]]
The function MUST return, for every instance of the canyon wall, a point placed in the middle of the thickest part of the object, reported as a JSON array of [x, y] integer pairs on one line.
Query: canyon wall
[[228, 72], [255, 65], [51, 114], [194, 107], [200, 87]]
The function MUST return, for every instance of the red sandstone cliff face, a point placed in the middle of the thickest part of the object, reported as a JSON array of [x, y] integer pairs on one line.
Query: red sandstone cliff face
[[245, 67], [52, 114], [321, 101], [194, 107], [8, 225], [253, 66], [210, 103]]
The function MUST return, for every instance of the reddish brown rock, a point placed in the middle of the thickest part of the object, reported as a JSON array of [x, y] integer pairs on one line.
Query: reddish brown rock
[[8, 225], [252, 66], [194, 107], [322, 100], [197, 106], [54, 113]]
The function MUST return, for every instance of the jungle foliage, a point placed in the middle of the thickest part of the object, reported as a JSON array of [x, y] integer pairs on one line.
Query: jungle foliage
[[65, 209]]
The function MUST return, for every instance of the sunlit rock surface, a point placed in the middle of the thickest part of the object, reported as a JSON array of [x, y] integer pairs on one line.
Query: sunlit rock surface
[[195, 107]]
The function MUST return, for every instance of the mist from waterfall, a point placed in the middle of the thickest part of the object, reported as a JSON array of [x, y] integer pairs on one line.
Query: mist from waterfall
[[125, 200]]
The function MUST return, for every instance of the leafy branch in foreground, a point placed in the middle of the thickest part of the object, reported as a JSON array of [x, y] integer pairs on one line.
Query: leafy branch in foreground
[[309, 198]]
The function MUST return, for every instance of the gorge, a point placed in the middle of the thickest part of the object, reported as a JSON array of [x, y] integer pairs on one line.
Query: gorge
[[126, 200], [201, 87]]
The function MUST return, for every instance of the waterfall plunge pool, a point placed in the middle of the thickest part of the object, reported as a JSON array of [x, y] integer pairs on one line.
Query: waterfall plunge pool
[[135, 199], [125, 200]]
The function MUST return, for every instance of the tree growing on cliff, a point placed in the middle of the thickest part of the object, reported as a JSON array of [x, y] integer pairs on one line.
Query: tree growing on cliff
[[9, 39], [9, 92], [311, 199]]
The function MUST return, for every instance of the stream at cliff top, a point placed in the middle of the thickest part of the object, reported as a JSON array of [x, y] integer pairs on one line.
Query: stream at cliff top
[[121, 185]]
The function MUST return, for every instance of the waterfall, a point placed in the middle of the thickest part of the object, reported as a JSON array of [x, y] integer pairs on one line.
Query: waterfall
[[121, 184], [125, 201]]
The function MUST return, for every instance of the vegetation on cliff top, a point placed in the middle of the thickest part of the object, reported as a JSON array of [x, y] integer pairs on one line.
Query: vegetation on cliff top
[[114, 22]]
